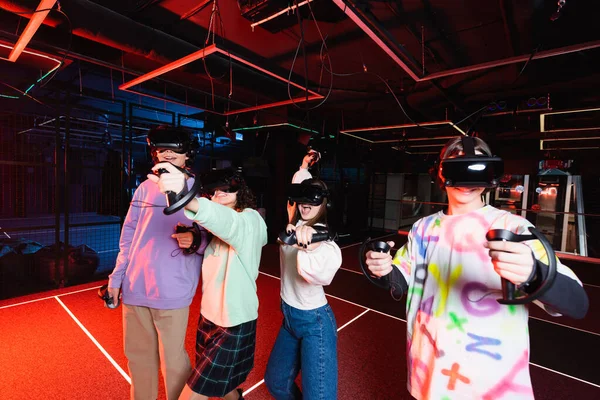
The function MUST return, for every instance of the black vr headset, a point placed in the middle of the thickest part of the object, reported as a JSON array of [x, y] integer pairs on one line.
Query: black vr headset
[[305, 193], [225, 180], [172, 138], [470, 169]]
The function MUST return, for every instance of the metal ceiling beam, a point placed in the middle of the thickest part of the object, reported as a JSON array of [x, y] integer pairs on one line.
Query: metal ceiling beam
[[510, 31], [407, 63], [203, 4], [346, 37], [369, 24], [372, 27]]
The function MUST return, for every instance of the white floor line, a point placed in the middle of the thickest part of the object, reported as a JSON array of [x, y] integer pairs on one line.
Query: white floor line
[[253, 387], [353, 319], [563, 374], [328, 295], [93, 339], [49, 297], [590, 285], [380, 237], [400, 319], [388, 315], [339, 329], [269, 275], [565, 326], [351, 270]]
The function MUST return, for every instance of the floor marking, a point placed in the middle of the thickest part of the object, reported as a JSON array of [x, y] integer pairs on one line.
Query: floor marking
[[93, 339], [49, 297], [353, 319], [351, 270], [338, 329], [563, 374], [380, 237], [595, 286], [565, 326]]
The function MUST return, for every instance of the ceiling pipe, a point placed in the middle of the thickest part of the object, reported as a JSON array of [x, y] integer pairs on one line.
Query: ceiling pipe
[[99, 24], [382, 38], [102, 25], [32, 26], [514, 60], [516, 112]]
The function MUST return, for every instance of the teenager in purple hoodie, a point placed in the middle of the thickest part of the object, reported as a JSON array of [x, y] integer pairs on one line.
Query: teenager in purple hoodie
[[156, 278]]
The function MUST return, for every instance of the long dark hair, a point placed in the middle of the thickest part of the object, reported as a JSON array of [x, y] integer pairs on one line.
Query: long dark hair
[[321, 217]]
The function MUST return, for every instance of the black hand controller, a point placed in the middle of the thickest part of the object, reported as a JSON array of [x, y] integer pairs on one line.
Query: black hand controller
[[378, 246], [109, 301], [508, 288], [290, 239], [176, 201]]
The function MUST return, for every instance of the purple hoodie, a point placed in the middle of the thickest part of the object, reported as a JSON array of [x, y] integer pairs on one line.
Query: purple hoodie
[[151, 269]]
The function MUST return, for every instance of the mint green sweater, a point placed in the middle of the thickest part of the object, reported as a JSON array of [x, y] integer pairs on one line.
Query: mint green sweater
[[231, 261]]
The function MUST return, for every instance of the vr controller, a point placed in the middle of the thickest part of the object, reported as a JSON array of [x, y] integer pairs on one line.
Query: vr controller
[[508, 288], [109, 302], [197, 241], [290, 239], [176, 201], [380, 247]]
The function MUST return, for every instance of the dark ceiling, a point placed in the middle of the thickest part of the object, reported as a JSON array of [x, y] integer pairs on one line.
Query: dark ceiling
[[123, 39]]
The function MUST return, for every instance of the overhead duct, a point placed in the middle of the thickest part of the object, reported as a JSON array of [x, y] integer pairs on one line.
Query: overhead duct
[[99, 24], [102, 25]]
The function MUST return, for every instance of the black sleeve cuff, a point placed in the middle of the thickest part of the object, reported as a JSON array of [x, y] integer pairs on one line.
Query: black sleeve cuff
[[202, 238], [398, 285], [566, 296]]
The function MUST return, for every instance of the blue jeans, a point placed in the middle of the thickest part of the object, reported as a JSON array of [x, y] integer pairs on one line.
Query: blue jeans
[[307, 341]]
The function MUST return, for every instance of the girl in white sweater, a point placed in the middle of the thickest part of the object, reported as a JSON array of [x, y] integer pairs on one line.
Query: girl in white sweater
[[307, 339]]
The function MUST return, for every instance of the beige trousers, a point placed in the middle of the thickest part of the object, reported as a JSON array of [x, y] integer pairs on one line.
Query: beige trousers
[[155, 337]]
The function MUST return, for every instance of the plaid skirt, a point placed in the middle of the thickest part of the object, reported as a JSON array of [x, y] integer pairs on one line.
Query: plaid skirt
[[224, 357]]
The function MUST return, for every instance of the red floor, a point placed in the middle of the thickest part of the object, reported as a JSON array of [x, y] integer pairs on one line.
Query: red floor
[[44, 353]]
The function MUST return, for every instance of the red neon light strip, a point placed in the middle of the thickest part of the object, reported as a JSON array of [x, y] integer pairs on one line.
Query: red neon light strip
[[271, 105], [266, 72], [58, 64], [171, 66], [200, 54], [32, 26]]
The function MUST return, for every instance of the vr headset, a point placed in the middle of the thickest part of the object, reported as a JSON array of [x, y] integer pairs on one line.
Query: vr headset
[[225, 180], [170, 138], [471, 170], [306, 194]]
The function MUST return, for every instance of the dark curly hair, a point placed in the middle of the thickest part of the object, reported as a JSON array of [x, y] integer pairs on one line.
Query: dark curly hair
[[245, 197]]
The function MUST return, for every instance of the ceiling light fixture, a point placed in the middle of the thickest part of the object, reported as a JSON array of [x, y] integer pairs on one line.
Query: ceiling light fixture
[[354, 132], [575, 111], [286, 10], [213, 49], [251, 128], [33, 53], [34, 23]]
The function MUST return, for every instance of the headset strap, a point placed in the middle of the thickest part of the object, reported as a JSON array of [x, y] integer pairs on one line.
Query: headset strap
[[468, 146]]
